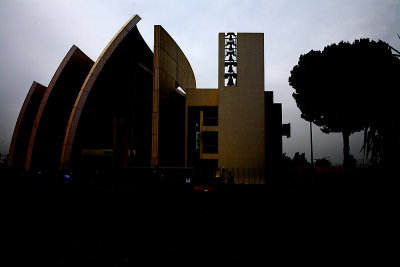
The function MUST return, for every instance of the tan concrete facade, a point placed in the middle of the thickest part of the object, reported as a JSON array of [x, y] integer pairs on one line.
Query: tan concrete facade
[[241, 116], [200, 98], [241, 107]]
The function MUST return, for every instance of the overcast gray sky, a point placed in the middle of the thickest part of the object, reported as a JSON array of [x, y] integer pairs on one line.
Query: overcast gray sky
[[35, 35]]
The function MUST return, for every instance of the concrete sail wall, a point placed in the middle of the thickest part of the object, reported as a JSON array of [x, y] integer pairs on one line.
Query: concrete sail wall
[[171, 70], [124, 110], [87, 86], [23, 127], [40, 129], [48, 131], [114, 127]]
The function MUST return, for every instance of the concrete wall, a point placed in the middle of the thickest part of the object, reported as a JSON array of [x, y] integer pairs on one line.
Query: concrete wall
[[171, 69], [273, 131], [241, 141], [199, 98], [51, 108], [48, 132], [87, 86], [24, 125]]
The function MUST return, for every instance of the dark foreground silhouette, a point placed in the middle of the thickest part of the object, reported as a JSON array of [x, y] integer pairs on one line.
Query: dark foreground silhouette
[[108, 224]]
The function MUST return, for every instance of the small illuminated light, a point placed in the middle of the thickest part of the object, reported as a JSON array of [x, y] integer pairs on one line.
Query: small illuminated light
[[205, 190], [180, 90], [188, 180], [67, 176]]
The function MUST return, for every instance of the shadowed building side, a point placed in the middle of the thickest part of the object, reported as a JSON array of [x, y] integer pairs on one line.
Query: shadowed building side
[[48, 130], [23, 127], [110, 124], [171, 71], [273, 132]]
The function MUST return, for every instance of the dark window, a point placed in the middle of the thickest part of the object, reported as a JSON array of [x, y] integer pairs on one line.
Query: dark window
[[210, 116], [193, 145], [210, 142]]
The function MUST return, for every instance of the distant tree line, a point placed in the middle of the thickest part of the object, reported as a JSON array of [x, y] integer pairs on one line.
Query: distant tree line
[[299, 160]]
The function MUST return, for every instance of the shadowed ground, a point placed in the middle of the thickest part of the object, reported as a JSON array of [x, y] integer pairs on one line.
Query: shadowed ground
[[112, 225]]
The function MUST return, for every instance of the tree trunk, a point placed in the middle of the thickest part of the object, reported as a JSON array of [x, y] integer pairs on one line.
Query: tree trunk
[[346, 149]]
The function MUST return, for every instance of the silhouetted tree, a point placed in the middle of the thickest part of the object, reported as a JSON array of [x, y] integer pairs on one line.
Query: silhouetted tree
[[287, 169], [323, 162], [285, 160], [381, 136], [396, 52], [299, 160], [346, 87]]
